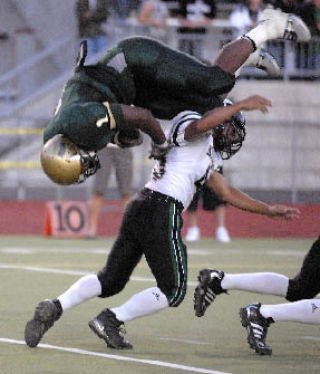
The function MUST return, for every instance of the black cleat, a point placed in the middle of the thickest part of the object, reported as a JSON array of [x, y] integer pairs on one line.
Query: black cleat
[[208, 288], [107, 327], [46, 313], [257, 328]]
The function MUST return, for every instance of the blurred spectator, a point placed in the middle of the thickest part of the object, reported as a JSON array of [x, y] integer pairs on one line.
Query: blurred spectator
[[288, 6], [120, 11], [154, 13], [194, 15], [121, 159], [92, 14], [4, 35], [310, 13], [210, 202], [246, 16], [172, 6], [123, 9]]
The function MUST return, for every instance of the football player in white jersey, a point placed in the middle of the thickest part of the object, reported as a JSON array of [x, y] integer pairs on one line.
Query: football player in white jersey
[[152, 222]]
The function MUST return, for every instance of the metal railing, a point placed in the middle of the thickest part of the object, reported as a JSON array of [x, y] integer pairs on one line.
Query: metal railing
[[297, 60], [300, 60], [23, 80]]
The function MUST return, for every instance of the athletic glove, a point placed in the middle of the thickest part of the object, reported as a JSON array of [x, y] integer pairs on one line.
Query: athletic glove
[[159, 151]]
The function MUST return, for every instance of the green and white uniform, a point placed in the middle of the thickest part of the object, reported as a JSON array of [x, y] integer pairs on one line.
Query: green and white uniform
[[152, 221]]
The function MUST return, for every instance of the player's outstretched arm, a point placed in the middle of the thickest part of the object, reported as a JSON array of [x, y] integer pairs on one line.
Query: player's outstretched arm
[[143, 120], [283, 211], [242, 201], [217, 116]]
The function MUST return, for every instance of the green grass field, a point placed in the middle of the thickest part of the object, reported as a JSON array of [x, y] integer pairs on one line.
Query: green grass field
[[174, 341]]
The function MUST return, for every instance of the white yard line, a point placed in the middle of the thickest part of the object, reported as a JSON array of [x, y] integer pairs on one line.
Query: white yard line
[[191, 251], [310, 338], [71, 272], [44, 270], [24, 250], [188, 341], [119, 357]]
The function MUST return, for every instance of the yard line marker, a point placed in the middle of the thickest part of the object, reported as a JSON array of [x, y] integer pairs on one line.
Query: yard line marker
[[20, 251], [310, 338], [188, 341], [44, 270], [27, 250], [72, 272], [191, 251], [118, 357]]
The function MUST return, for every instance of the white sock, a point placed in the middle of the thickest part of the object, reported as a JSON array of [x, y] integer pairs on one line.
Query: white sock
[[304, 311], [268, 30], [266, 283], [141, 304], [84, 289], [252, 60]]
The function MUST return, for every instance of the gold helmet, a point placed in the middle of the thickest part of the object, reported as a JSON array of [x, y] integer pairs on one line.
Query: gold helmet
[[65, 163]]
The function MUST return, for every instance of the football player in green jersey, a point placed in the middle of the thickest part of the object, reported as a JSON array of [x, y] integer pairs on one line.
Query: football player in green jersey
[[139, 80]]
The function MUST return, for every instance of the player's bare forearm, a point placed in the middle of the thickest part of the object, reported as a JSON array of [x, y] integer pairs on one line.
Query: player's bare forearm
[[234, 196], [143, 120], [217, 116], [242, 201]]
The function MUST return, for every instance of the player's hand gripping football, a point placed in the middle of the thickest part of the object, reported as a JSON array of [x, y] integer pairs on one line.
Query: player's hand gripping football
[[283, 212]]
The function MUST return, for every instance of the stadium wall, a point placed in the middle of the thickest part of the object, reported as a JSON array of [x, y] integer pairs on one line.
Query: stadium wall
[[28, 218]]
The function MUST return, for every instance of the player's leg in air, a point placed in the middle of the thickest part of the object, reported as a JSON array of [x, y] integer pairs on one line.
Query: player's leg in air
[[168, 81], [247, 51], [305, 285], [256, 319]]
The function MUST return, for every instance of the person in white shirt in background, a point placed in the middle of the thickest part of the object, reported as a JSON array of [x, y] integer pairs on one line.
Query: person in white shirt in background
[[91, 17], [154, 14], [246, 16]]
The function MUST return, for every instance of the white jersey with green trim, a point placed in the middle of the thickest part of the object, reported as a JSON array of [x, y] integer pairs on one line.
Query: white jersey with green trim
[[187, 165]]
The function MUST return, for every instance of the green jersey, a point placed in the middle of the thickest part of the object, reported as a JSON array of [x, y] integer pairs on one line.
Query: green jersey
[[89, 111], [138, 71]]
